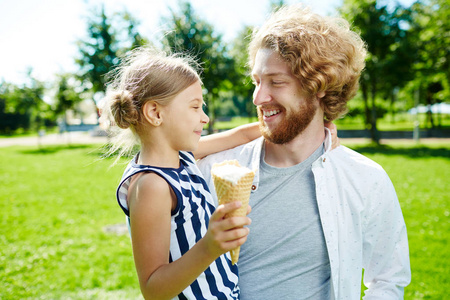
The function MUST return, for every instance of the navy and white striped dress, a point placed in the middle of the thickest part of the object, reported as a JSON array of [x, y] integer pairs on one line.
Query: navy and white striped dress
[[189, 223]]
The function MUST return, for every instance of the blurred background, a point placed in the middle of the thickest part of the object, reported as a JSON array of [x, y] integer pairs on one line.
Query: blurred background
[[62, 234], [55, 54]]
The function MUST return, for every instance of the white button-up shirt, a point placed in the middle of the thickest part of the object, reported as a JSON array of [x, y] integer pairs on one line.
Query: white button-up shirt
[[361, 219]]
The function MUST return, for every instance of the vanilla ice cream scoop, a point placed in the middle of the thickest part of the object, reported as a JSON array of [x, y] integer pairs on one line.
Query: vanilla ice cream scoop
[[233, 183]]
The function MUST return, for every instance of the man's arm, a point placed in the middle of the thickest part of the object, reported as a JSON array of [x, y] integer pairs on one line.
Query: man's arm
[[385, 247]]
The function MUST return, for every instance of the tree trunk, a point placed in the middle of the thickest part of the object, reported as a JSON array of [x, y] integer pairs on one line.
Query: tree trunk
[[373, 128], [391, 108], [211, 114], [366, 106], [430, 119]]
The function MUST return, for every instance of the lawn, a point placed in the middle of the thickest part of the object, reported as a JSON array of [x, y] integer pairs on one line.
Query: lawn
[[57, 201], [402, 122], [420, 175]]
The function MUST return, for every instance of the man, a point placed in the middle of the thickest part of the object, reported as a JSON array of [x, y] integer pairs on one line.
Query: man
[[319, 217]]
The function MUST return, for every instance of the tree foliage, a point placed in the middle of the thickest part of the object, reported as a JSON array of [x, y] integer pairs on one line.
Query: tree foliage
[[108, 38], [409, 51], [190, 34], [67, 96], [10, 119], [98, 53], [389, 59], [242, 85], [430, 27], [23, 106]]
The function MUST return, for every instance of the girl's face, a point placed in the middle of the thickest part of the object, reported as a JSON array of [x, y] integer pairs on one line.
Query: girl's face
[[185, 118]]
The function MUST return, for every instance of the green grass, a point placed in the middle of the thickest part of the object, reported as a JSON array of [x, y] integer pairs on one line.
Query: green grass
[[56, 201], [28, 133], [234, 122], [420, 175], [400, 122]]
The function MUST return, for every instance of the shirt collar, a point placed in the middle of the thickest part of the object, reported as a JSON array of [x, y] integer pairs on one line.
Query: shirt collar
[[327, 142], [256, 155]]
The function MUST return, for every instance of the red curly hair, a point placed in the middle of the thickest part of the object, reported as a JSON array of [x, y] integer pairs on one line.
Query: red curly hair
[[323, 53]]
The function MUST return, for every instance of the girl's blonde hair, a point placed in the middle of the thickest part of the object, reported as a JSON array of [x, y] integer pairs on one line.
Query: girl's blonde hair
[[323, 53], [145, 74]]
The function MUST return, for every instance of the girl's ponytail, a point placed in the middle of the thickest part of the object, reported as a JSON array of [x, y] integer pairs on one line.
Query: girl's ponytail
[[123, 109]]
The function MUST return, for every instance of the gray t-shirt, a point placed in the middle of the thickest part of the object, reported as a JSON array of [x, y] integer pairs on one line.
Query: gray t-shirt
[[285, 255]]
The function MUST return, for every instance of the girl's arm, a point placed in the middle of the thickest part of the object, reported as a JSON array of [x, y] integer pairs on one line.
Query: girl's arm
[[226, 140], [151, 201], [243, 134]]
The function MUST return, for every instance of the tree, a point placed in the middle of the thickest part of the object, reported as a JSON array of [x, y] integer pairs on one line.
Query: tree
[[242, 83], [430, 25], [388, 58], [108, 39], [66, 96], [98, 54], [276, 5], [130, 24], [10, 120], [24, 106], [190, 34]]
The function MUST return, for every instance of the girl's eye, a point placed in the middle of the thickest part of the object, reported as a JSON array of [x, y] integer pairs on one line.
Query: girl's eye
[[277, 82]]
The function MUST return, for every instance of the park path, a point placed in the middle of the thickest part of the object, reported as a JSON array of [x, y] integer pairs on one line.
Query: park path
[[75, 137], [79, 137]]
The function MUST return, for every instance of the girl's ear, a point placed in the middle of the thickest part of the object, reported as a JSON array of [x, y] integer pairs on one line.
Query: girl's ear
[[152, 113]]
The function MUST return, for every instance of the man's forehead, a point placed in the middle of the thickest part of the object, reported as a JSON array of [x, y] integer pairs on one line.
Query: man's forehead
[[269, 63]]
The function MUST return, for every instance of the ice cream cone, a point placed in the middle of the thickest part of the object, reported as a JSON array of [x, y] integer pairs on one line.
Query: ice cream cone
[[233, 183]]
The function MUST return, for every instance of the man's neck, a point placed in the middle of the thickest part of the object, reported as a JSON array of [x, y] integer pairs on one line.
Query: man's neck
[[297, 150]]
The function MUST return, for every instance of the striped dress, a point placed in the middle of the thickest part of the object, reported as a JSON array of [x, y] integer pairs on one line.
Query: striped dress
[[189, 223]]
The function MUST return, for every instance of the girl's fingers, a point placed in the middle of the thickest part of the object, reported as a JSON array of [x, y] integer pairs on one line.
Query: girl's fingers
[[223, 209], [249, 209], [233, 238], [229, 245], [236, 234]]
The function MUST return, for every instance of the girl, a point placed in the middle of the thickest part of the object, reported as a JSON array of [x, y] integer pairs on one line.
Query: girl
[[178, 237]]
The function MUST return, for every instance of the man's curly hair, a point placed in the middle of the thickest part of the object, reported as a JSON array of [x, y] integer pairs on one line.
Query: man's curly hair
[[323, 53]]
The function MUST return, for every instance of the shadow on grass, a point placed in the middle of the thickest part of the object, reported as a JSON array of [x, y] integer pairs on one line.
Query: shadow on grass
[[420, 151], [410, 151], [53, 149]]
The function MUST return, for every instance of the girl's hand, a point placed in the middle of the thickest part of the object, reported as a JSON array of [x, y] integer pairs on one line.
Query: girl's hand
[[334, 138], [223, 233]]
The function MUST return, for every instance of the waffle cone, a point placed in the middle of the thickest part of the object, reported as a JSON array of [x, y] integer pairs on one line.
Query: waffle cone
[[228, 191]]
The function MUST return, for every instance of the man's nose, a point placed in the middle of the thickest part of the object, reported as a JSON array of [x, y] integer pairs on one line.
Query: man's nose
[[261, 95]]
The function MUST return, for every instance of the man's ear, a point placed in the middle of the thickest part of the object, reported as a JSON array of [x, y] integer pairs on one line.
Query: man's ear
[[319, 97], [152, 113]]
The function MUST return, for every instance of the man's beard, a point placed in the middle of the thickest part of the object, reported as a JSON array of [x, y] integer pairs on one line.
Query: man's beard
[[294, 123]]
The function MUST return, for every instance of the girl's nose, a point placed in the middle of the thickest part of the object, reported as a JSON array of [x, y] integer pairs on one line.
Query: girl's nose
[[205, 118]]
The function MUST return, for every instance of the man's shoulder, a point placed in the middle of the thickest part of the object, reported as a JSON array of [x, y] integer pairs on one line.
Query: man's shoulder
[[352, 160], [362, 173]]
